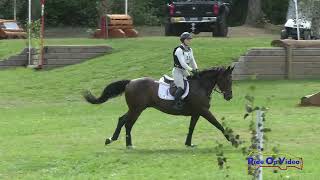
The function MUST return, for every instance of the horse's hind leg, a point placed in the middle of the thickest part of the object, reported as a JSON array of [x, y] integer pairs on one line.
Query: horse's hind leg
[[122, 120], [131, 119]]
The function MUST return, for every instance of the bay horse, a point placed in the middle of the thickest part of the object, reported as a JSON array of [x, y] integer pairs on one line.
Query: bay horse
[[142, 93]]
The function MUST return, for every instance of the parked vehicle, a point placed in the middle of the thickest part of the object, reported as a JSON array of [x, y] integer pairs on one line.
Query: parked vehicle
[[197, 16], [290, 29], [9, 29]]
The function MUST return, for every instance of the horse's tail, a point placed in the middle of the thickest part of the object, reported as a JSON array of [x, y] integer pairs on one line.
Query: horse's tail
[[112, 90]]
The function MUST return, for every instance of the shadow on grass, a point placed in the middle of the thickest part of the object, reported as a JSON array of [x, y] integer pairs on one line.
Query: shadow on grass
[[180, 151], [172, 151]]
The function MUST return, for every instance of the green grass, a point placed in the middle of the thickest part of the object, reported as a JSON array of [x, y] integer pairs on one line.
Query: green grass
[[47, 131], [11, 47]]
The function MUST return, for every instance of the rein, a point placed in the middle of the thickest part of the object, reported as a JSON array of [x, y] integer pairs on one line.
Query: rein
[[217, 90]]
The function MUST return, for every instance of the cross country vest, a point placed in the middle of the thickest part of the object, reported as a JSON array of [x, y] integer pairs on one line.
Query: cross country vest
[[176, 62]]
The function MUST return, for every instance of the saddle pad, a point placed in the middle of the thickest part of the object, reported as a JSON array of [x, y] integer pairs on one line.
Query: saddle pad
[[163, 91]]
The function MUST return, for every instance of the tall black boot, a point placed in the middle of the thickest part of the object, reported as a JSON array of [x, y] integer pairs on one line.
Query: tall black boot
[[178, 104]]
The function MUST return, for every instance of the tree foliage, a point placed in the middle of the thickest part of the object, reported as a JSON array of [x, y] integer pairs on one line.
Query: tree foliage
[[144, 12], [275, 11]]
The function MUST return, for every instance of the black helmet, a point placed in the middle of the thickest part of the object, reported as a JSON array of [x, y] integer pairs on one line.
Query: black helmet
[[185, 36]]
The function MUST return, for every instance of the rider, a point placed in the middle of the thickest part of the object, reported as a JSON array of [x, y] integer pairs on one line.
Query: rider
[[183, 59]]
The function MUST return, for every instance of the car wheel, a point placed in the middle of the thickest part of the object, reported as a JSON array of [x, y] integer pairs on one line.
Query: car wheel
[[168, 30], [307, 35], [177, 31], [215, 32], [222, 27], [284, 34]]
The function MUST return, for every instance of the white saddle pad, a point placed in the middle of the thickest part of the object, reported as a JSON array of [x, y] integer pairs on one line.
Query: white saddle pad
[[163, 91]]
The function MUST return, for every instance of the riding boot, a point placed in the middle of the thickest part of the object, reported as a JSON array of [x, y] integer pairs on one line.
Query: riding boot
[[178, 104]]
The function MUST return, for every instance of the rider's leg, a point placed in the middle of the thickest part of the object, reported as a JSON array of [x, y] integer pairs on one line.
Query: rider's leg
[[178, 80]]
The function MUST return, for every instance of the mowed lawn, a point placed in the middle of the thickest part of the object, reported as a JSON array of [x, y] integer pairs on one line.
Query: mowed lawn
[[47, 131]]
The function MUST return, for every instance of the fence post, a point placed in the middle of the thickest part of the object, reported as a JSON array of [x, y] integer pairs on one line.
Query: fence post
[[42, 35], [103, 24], [29, 32], [259, 136], [288, 64]]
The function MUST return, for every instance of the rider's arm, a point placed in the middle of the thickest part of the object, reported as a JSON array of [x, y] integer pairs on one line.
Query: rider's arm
[[179, 54], [193, 61]]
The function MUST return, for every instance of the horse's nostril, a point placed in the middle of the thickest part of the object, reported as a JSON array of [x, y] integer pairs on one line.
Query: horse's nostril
[[228, 97]]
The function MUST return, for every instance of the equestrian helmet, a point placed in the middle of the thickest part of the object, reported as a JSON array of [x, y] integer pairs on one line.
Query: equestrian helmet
[[185, 36]]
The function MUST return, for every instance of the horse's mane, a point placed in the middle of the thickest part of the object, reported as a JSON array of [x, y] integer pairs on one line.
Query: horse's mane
[[213, 70]]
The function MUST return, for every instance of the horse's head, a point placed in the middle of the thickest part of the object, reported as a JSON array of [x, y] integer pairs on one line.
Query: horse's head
[[217, 76], [224, 82]]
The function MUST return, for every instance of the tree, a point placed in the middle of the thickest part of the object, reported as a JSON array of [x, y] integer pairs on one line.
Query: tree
[[316, 19], [254, 12], [35, 9], [102, 6]]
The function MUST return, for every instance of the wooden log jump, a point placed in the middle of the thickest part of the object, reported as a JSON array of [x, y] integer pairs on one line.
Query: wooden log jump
[[116, 25], [57, 56], [289, 60]]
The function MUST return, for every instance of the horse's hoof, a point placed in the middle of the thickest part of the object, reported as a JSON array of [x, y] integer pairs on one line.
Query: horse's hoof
[[108, 141], [130, 147], [191, 146], [227, 137]]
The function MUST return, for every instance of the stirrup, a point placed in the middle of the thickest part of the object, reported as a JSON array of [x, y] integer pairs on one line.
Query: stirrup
[[178, 105]]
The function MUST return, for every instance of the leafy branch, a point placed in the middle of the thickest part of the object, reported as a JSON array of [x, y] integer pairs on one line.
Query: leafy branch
[[235, 141]]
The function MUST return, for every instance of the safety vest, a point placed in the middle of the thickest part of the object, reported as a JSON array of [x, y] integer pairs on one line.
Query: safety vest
[[176, 62]]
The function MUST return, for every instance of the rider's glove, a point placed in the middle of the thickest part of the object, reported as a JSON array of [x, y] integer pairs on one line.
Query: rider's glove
[[195, 72]]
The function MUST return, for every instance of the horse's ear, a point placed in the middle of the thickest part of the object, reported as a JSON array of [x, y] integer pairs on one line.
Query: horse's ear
[[232, 68], [228, 70]]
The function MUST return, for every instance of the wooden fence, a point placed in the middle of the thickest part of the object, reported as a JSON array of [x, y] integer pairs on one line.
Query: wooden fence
[[57, 56], [278, 63]]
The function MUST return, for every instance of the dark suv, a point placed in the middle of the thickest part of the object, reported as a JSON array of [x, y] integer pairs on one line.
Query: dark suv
[[197, 16]]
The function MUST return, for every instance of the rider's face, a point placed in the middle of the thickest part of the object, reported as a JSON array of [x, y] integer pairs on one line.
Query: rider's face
[[187, 42]]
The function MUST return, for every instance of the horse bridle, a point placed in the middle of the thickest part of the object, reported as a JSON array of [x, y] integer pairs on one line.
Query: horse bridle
[[218, 91], [216, 88]]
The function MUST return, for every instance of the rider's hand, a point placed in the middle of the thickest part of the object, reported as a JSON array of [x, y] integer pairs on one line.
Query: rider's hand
[[195, 72]]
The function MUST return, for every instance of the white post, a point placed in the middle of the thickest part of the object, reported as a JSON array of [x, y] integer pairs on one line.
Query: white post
[[297, 18], [126, 7], [259, 128], [15, 10], [29, 34]]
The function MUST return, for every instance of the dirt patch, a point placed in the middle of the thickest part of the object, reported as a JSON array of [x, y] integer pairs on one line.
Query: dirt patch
[[239, 31]]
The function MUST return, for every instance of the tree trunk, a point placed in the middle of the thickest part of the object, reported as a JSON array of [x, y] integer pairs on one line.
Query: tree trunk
[[103, 7], [254, 12], [315, 28], [102, 10]]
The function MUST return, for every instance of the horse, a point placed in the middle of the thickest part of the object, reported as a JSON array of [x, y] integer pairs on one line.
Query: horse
[[142, 93]]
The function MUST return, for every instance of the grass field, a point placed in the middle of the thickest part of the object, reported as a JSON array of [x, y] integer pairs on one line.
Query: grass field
[[47, 131]]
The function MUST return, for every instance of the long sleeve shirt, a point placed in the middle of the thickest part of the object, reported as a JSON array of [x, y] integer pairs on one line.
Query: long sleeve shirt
[[186, 58]]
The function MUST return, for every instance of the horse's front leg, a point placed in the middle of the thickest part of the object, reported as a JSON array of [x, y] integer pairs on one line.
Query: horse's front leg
[[193, 122], [209, 116]]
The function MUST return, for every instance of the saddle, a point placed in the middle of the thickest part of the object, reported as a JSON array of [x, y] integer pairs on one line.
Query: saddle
[[173, 88], [167, 88]]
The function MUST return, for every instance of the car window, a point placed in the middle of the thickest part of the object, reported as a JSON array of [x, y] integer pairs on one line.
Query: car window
[[11, 25]]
